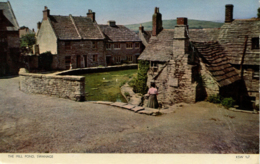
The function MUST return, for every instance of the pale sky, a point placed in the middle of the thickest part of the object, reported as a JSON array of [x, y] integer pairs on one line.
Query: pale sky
[[29, 12]]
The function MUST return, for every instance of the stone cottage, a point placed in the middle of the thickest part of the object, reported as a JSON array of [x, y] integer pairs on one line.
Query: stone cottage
[[9, 40], [188, 65], [72, 39], [81, 41], [122, 44]]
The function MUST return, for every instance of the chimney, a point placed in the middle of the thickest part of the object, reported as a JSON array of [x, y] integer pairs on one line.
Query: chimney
[[91, 15], [33, 30], [46, 13], [141, 29], [229, 13], [181, 38], [111, 23], [39, 25], [157, 22]]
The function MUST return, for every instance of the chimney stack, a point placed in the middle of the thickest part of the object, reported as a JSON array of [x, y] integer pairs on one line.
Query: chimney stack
[[141, 29], [91, 15], [46, 13], [39, 25], [111, 23], [229, 13], [157, 22]]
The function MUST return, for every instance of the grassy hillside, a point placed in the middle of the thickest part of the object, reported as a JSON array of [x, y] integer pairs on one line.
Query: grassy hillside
[[170, 24]]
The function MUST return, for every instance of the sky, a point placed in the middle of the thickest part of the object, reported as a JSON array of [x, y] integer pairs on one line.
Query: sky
[[29, 12]]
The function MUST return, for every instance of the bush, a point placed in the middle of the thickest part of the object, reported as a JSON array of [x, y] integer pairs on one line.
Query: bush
[[132, 82], [140, 84], [127, 94], [228, 102], [214, 99]]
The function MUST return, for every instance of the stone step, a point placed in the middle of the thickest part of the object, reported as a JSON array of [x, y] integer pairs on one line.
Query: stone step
[[118, 104], [137, 109], [104, 102], [128, 106], [149, 111]]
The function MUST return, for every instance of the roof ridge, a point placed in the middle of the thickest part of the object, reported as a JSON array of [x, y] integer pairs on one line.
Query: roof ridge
[[76, 28]]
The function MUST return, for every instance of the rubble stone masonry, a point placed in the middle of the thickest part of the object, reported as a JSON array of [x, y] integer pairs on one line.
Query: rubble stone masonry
[[70, 87]]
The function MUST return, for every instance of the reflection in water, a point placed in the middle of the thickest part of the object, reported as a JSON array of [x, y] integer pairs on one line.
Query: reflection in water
[[105, 86]]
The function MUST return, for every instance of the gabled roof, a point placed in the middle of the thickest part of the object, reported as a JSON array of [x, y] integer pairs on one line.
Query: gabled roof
[[119, 33], [160, 48], [75, 28], [232, 38], [214, 57], [9, 14]]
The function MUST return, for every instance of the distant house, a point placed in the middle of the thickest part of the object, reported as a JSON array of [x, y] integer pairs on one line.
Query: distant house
[[188, 65], [121, 43], [9, 40], [24, 31], [79, 40], [73, 39]]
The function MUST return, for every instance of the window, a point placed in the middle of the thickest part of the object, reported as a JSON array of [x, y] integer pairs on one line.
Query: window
[[117, 46], [108, 46], [137, 45], [129, 58], [95, 58], [154, 66], [255, 43], [129, 45], [117, 59], [67, 61], [94, 44], [68, 45]]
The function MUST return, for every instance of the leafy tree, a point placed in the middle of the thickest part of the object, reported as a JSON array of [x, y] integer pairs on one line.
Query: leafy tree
[[27, 41], [140, 84], [258, 14]]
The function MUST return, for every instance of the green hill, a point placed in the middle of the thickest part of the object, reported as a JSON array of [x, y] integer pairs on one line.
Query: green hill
[[170, 24]]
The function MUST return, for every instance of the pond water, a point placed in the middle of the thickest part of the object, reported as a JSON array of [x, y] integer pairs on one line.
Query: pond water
[[105, 86]]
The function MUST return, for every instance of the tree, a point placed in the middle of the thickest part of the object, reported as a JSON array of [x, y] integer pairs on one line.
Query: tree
[[26, 42], [258, 14]]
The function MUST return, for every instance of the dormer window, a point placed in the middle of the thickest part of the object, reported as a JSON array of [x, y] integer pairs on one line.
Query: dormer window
[[255, 43]]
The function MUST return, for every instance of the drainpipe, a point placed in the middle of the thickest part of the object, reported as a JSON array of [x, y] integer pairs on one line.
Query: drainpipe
[[243, 56]]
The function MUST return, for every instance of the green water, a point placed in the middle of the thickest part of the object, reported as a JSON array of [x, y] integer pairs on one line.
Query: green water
[[105, 86]]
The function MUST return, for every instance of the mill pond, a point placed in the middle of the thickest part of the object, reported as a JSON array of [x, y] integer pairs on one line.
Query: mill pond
[[105, 86]]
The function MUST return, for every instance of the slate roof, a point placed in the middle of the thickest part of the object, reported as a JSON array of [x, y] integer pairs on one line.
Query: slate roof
[[214, 57], [160, 48], [119, 33], [9, 14], [232, 38], [75, 27], [204, 35]]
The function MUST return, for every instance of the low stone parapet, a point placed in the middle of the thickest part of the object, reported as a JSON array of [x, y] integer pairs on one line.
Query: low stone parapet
[[70, 87]]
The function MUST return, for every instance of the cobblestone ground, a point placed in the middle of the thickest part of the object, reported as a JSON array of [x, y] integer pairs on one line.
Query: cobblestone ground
[[36, 124]]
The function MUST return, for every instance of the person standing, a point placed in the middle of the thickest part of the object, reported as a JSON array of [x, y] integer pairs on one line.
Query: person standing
[[152, 102]]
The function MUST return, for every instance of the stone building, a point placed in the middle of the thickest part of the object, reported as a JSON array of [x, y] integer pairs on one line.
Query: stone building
[[24, 31], [9, 40], [79, 40], [189, 64], [72, 39], [122, 44]]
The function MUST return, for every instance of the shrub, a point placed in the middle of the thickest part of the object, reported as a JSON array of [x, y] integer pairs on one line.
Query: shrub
[[214, 99], [228, 102], [127, 94], [140, 84], [132, 82]]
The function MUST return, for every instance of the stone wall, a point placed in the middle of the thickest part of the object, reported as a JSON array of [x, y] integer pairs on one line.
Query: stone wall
[[70, 87], [123, 52], [79, 50], [46, 38]]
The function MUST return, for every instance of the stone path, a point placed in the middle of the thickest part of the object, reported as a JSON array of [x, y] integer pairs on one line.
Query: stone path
[[134, 108]]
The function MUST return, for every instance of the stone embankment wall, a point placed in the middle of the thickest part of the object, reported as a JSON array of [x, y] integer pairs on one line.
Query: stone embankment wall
[[70, 87]]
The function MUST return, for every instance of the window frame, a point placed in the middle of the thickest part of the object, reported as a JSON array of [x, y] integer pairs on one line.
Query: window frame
[[94, 44], [137, 43], [68, 45], [255, 43], [117, 46], [129, 45], [95, 58], [108, 46]]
